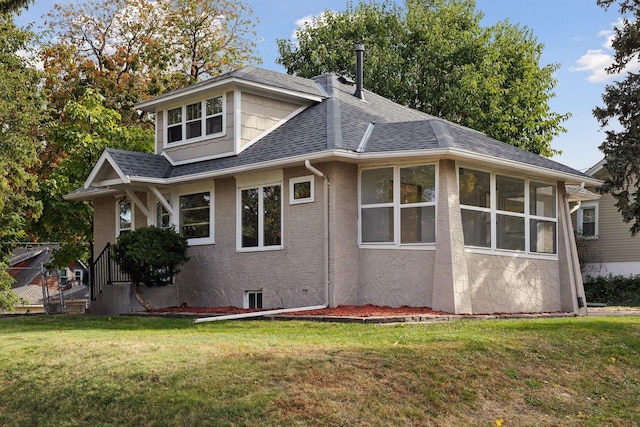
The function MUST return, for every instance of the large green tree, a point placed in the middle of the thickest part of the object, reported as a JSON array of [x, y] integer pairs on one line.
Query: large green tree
[[21, 108], [621, 147], [433, 55], [74, 145]]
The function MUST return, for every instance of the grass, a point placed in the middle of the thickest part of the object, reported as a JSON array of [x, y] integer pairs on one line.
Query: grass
[[129, 371]]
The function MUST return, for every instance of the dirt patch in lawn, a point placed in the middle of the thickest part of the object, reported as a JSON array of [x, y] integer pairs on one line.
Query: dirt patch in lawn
[[368, 310]]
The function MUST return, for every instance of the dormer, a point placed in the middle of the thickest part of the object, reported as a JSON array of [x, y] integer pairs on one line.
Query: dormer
[[225, 115]]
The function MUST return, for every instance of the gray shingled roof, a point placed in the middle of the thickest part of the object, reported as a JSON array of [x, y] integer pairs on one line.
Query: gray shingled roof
[[340, 122], [141, 164], [255, 75]]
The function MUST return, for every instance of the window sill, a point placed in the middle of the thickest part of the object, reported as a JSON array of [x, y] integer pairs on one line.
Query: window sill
[[261, 249], [406, 246], [512, 254], [200, 242]]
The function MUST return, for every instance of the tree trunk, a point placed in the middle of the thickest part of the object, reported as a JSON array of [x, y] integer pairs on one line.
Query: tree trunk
[[141, 300]]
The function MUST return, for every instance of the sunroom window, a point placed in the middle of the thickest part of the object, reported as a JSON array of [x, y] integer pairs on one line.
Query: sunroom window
[[501, 212], [397, 205]]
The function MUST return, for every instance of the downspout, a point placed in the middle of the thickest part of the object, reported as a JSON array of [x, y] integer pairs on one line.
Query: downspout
[[325, 197]]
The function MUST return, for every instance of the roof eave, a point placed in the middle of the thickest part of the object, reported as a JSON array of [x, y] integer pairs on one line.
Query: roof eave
[[152, 104], [336, 154]]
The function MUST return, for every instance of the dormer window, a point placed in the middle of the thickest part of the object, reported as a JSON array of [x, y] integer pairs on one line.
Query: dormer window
[[187, 123]]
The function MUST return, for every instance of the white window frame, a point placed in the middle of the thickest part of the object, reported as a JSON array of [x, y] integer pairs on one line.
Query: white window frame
[[299, 180], [247, 295], [161, 211], [203, 118], [133, 215], [397, 208], [493, 249], [78, 275], [175, 203], [259, 181], [595, 205]]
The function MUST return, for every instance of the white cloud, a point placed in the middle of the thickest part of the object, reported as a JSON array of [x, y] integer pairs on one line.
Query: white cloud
[[596, 61], [302, 23]]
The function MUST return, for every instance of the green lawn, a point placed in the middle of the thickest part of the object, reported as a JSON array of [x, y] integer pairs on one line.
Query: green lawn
[[133, 371]]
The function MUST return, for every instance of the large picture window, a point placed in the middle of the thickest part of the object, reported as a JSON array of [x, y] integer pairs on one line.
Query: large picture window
[[194, 121], [398, 205], [501, 212], [261, 216]]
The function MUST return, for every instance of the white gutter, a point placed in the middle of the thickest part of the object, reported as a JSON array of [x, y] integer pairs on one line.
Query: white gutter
[[259, 313], [325, 197]]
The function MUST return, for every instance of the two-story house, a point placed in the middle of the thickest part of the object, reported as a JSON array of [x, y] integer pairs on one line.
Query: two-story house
[[299, 192]]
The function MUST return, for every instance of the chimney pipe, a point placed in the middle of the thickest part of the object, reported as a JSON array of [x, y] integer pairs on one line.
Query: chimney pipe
[[359, 71]]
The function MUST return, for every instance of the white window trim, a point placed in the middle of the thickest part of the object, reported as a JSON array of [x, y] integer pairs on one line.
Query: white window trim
[[397, 206], [175, 203], [298, 180], [203, 136], [259, 181], [133, 215], [494, 250], [580, 219], [75, 273], [245, 302]]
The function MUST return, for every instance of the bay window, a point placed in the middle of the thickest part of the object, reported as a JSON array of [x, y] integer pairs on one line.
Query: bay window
[[501, 212], [398, 205]]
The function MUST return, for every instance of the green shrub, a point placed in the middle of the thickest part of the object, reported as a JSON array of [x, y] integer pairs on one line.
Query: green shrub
[[613, 290], [150, 254]]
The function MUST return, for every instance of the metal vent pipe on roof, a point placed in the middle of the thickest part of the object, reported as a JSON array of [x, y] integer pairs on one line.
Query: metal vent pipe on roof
[[359, 71]]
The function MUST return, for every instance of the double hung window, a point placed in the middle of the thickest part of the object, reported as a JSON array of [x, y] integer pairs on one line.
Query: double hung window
[[195, 215], [190, 122], [398, 205], [124, 217], [500, 212], [588, 220], [261, 216]]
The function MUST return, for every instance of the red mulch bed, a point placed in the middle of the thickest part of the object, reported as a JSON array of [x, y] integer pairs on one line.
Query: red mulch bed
[[368, 310]]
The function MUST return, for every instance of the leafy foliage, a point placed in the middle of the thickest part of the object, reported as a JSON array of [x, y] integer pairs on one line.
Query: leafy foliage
[[621, 148], [613, 290], [13, 5], [148, 254], [75, 143], [433, 55], [21, 109], [130, 50]]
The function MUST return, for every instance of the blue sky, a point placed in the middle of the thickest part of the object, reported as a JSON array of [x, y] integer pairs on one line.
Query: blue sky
[[574, 33]]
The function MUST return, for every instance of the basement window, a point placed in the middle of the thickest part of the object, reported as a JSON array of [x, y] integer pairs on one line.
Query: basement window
[[253, 299]]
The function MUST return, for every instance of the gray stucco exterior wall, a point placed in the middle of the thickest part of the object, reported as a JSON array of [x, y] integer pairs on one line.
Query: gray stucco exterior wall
[[446, 277]]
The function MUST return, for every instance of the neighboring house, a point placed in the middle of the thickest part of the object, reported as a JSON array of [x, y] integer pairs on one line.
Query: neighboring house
[[605, 242], [29, 268], [298, 192]]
